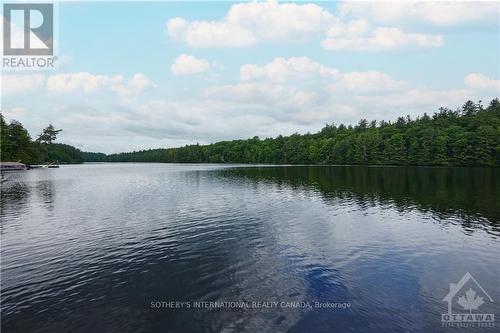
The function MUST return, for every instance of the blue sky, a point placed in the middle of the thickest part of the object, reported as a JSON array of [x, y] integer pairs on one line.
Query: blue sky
[[158, 74]]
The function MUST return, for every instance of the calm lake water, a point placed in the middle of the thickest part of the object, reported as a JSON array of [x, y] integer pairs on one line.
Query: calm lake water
[[98, 247]]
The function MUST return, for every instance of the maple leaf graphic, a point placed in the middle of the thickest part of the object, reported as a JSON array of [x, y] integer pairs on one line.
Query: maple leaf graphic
[[469, 301]]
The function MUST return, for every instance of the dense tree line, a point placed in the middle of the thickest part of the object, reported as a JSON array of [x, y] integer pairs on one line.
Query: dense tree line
[[16, 145], [94, 157], [62, 153], [469, 136]]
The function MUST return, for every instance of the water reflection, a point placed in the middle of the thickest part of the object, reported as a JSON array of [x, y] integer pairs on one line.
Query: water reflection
[[14, 193], [14, 198], [87, 248], [46, 191], [24, 188], [466, 195]]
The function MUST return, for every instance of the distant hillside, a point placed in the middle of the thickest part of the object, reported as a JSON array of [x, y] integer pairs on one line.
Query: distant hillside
[[62, 153], [94, 157], [469, 136]]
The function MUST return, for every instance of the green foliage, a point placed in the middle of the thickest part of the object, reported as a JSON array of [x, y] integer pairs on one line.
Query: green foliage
[[48, 135], [62, 153], [5, 144], [16, 145], [94, 157], [469, 136]]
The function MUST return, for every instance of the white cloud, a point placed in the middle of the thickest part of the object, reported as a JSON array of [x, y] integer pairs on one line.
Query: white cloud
[[439, 13], [187, 64], [350, 28], [21, 83], [324, 115], [88, 83], [282, 96], [277, 90], [75, 82], [412, 101], [140, 82], [176, 27], [202, 34], [16, 113], [69, 83], [281, 70], [304, 92], [370, 81], [137, 84], [262, 93], [290, 83], [247, 24], [380, 40], [250, 23], [295, 70], [274, 21], [480, 81]]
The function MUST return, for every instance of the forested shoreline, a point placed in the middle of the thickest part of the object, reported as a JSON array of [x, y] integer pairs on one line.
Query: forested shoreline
[[17, 145], [469, 136]]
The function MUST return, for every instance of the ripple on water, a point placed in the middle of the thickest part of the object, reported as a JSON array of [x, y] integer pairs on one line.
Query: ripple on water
[[90, 247]]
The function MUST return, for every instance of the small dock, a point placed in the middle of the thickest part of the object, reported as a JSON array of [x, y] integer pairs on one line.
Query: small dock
[[17, 166], [12, 166], [44, 166]]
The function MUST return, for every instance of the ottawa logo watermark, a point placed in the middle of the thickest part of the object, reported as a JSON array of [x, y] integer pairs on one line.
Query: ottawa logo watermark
[[464, 301], [29, 36]]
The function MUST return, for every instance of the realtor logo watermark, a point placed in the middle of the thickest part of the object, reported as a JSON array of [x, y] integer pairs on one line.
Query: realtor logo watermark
[[465, 299], [29, 36]]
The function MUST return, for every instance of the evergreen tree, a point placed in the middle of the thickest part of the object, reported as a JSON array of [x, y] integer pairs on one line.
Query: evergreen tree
[[48, 135]]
